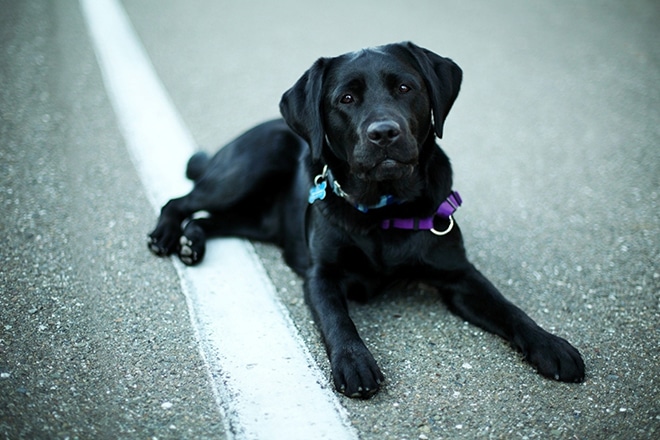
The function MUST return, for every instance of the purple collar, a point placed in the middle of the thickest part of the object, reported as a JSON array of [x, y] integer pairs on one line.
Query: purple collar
[[445, 210]]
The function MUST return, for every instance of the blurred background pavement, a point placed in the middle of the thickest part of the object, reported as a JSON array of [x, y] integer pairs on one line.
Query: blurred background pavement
[[555, 142]]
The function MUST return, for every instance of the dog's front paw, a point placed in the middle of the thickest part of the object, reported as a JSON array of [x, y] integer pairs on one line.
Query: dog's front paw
[[355, 372], [554, 357]]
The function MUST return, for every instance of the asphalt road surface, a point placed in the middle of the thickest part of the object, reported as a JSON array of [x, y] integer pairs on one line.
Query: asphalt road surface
[[555, 143]]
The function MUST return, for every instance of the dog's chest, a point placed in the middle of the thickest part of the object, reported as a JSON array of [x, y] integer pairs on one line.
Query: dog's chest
[[387, 253], [404, 254]]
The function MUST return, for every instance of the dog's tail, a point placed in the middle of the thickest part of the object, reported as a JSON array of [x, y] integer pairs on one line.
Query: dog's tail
[[197, 165]]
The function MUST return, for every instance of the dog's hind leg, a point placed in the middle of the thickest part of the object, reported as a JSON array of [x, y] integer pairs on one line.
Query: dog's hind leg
[[216, 191], [239, 186], [164, 239], [192, 242]]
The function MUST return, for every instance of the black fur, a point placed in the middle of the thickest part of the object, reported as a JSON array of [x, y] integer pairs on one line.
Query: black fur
[[372, 117]]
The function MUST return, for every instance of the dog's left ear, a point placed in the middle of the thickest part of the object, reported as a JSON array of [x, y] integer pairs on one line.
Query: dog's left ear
[[443, 79], [301, 107]]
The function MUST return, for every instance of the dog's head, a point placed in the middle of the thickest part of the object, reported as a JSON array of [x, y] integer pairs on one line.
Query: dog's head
[[369, 114]]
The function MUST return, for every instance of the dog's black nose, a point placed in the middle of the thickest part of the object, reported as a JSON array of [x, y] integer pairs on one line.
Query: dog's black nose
[[383, 132]]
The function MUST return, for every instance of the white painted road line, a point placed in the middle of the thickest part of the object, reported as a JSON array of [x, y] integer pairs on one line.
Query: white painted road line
[[266, 384]]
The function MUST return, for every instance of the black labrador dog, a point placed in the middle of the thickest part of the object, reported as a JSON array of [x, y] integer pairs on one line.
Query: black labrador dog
[[353, 187]]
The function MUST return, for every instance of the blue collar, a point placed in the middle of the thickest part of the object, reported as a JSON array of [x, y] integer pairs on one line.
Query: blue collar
[[321, 181]]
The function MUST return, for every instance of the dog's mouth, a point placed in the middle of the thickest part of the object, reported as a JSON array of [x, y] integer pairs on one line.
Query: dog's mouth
[[389, 169]]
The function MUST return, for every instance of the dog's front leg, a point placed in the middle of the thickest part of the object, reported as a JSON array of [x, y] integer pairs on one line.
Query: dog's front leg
[[475, 299], [354, 369]]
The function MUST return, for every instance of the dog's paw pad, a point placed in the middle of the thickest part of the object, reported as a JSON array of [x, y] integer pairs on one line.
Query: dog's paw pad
[[186, 252], [157, 247], [153, 246]]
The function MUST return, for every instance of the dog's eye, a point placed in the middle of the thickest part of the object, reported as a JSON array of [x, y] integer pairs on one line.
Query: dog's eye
[[347, 99], [403, 88]]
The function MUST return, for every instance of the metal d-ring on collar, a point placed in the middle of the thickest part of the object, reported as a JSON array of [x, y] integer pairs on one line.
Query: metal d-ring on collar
[[445, 210], [318, 191], [336, 187], [446, 231]]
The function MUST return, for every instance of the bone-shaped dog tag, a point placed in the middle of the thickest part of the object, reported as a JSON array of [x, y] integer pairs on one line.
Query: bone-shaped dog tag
[[317, 192]]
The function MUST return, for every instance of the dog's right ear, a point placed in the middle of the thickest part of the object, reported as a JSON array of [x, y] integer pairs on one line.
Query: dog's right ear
[[301, 107]]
